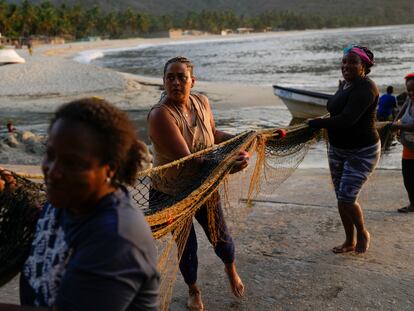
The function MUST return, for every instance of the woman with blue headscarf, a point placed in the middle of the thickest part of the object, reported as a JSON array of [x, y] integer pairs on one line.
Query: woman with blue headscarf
[[354, 145]]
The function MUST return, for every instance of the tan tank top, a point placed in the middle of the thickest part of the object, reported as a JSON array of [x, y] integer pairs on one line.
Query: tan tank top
[[198, 136]]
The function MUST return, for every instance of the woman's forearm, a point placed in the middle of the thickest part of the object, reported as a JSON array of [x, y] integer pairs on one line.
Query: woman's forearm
[[401, 112]]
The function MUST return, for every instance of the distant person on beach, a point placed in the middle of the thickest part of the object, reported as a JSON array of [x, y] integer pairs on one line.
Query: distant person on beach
[[354, 145], [404, 122], [30, 46], [180, 124], [92, 249], [10, 127], [386, 106]]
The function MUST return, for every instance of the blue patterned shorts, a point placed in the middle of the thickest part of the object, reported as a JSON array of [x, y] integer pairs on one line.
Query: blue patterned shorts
[[350, 169]]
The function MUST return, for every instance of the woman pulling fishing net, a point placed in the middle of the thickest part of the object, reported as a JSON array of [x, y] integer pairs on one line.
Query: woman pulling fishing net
[[181, 124], [354, 145], [404, 122], [92, 249]]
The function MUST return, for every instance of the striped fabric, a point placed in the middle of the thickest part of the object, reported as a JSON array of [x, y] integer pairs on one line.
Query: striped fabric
[[350, 169]]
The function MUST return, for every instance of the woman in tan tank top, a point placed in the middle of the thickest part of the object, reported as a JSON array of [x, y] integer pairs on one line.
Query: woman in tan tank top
[[181, 124]]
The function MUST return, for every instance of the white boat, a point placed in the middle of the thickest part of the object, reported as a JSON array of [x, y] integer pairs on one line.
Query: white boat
[[9, 56], [302, 104]]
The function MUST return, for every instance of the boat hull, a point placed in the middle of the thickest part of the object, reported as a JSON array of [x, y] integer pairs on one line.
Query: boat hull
[[302, 104], [9, 56]]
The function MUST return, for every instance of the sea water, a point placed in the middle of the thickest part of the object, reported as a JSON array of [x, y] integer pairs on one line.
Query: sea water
[[302, 59]]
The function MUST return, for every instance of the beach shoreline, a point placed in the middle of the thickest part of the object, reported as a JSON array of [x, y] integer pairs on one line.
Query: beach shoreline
[[52, 76], [57, 73]]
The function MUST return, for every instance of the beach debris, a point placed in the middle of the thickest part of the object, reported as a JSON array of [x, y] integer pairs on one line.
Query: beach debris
[[11, 140], [23, 142], [33, 143]]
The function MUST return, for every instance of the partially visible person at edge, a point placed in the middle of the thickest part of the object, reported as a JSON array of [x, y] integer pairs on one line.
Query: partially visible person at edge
[[92, 249], [404, 122], [401, 100], [354, 145], [180, 124], [386, 106], [30, 46]]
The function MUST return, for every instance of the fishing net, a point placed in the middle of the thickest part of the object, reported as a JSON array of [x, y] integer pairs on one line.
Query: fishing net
[[203, 178], [197, 181], [20, 206]]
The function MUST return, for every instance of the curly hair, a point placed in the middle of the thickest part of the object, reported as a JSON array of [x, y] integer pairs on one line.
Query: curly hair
[[117, 139], [182, 60], [370, 56], [390, 89]]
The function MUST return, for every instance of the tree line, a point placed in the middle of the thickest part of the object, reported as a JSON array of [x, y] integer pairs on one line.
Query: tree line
[[77, 22]]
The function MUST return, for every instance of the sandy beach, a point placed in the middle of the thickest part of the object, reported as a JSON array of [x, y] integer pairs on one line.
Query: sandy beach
[[51, 77], [283, 246], [54, 75], [284, 257]]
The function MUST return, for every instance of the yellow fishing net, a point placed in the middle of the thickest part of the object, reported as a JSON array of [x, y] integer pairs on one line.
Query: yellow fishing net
[[273, 159], [204, 178]]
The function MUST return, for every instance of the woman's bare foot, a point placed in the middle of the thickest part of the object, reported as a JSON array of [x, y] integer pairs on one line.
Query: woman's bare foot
[[362, 242], [344, 248], [194, 302], [236, 283]]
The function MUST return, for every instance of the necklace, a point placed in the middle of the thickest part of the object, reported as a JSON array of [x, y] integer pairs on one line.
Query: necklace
[[186, 114]]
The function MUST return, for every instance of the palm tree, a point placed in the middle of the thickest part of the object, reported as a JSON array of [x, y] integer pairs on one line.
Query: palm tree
[[3, 10], [29, 18], [112, 25], [13, 21], [47, 18], [143, 23], [129, 21]]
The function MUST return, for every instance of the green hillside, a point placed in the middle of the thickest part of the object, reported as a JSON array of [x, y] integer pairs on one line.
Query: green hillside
[[379, 8], [131, 18]]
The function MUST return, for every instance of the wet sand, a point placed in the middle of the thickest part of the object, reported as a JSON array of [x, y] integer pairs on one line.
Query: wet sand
[[283, 252]]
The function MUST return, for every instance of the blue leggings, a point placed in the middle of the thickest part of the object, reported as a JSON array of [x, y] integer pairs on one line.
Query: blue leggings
[[224, 248]]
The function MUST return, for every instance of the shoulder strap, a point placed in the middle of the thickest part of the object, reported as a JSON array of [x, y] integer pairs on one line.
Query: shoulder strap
[[173, 113], [200, 105]]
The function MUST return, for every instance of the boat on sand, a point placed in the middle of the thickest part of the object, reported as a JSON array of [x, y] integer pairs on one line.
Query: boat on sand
[[9, 56], [302, 104]]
